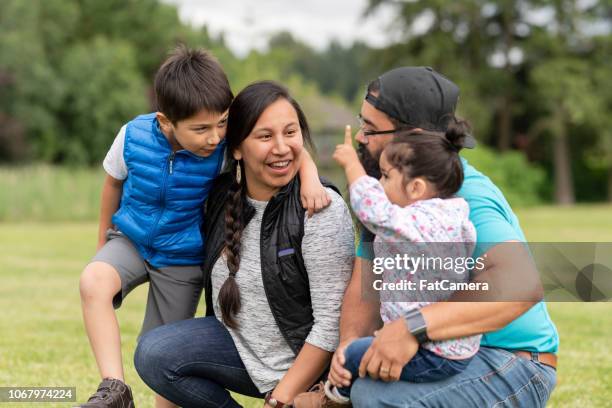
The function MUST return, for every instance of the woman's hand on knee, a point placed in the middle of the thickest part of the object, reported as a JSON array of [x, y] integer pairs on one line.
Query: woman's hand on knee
[[338, 375]]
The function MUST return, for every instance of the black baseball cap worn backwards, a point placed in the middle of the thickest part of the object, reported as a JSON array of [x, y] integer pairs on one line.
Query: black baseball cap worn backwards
[[418, 97]]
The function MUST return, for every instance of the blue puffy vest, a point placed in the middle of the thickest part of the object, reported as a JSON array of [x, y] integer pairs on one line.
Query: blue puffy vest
[[161, 208]]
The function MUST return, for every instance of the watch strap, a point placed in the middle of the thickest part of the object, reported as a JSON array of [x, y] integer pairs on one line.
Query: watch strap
[[417, 325]]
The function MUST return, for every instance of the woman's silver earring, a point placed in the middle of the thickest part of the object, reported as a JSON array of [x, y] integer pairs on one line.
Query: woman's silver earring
[[238, 173]]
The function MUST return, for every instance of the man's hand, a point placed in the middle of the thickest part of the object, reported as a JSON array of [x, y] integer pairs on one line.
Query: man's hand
[[347, 157], [393, 347], [338, 375]]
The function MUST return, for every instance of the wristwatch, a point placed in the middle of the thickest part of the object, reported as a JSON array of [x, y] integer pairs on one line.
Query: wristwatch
[[417, 325], [273, 402]]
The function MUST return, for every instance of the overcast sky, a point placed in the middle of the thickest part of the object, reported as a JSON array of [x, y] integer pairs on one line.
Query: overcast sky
[[249, 24]]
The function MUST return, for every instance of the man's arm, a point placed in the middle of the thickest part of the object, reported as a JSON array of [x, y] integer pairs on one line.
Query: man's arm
[[465, 314], [506, 264], [109, 203], [359, 317], [514, 282]]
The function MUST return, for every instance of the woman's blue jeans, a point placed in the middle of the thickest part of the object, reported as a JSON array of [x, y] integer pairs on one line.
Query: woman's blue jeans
[[494, 378], [193, 363]]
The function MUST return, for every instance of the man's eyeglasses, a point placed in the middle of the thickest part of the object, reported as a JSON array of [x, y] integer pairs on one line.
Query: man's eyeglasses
[[368, 133]]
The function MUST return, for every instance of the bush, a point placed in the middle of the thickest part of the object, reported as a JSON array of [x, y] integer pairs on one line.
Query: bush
[[521, 182], [50, 193]]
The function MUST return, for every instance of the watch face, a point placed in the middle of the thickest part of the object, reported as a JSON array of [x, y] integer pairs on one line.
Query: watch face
[[419, 329], [417, 326]]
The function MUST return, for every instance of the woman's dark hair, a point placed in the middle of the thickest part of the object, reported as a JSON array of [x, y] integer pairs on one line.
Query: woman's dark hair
[[431, 155], [244, 112], [189, 81]]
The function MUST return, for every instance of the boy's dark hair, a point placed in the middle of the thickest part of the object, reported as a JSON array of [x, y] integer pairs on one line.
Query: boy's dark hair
[[188, 81], [431, 155]]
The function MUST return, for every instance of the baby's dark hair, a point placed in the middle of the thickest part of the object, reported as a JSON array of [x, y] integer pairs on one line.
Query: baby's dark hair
[[431, 155], [188, 81]]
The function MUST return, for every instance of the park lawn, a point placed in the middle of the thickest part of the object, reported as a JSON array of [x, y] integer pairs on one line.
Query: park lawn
[[43, 343]]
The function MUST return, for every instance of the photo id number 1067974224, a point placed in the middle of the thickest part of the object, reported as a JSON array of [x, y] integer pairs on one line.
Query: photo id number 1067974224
[[37, 394]]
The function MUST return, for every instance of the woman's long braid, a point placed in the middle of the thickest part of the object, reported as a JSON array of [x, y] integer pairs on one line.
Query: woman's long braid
[[244, 112], [229, 294]]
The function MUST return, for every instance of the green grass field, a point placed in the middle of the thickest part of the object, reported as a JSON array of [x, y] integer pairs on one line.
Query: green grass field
[[42, 340]]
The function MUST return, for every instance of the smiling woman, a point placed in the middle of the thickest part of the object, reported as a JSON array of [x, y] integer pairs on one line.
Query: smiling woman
[[273, 149], [266, 138], [273, 277]]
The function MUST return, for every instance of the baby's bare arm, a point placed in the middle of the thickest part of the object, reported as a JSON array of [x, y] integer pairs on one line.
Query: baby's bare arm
[[109, 203]]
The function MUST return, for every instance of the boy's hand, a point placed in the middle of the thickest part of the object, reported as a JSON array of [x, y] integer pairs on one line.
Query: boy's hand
[[314, 196], [345, 153], [312, 193], [346, 156]]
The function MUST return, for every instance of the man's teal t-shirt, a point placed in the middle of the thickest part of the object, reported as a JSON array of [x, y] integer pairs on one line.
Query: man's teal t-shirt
[[495, 222]]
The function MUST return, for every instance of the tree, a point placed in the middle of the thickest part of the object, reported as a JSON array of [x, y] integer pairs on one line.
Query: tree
[[524, 67], [477, 44], [565, 61], [599, 156], [150, 26], [72, 71], [105, 91], [32, 89]]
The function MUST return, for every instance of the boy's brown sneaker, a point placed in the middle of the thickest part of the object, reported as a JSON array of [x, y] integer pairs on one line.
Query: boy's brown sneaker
[[112, 393], [319, 397]]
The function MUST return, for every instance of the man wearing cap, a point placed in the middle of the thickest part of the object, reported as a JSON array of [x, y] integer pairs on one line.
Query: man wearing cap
[[516, 362]]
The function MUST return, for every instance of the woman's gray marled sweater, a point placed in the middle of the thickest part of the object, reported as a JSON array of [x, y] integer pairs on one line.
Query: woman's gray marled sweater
[[328, 251]]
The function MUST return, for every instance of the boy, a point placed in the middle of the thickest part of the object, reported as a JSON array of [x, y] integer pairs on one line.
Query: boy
[[160, 169]]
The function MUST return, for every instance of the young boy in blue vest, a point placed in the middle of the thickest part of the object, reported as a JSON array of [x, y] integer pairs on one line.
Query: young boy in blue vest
[[159, 171]]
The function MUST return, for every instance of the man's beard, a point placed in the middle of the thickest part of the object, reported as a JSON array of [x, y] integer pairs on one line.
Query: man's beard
[[368, 161]]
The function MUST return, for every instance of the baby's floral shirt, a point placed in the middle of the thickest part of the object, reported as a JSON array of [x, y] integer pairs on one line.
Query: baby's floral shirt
[[433, 229]]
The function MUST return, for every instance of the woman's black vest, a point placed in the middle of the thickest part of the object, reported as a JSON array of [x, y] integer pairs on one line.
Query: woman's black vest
[[284, 275]]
